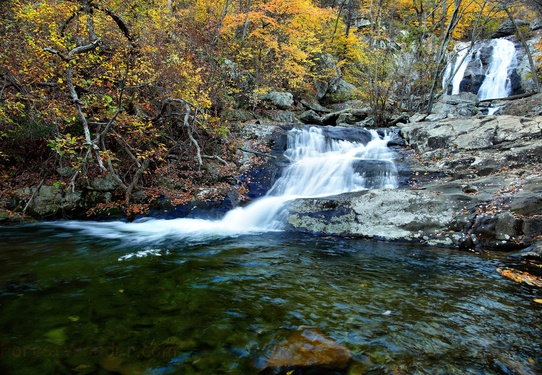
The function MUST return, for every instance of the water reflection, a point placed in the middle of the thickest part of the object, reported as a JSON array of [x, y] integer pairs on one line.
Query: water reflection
[[77, 302]]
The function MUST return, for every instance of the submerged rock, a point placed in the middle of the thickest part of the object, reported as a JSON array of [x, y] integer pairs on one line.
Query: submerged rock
[[310, 351]]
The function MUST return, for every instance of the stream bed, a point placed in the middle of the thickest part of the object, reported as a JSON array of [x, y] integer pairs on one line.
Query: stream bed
[[79, 303]]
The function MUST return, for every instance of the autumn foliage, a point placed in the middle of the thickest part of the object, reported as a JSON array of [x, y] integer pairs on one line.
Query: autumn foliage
[[135, 90]]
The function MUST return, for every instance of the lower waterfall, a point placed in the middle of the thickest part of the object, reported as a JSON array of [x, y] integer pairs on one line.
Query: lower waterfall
[[319, 165]]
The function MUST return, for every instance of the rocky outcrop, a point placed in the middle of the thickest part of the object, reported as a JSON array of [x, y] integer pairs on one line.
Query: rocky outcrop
[[335, 88], [508, 28], [381, 214], [464, 104], [50, 201], [281, 100], [475, 182]]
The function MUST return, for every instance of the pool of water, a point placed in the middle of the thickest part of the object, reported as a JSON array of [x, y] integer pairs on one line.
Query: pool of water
[[77, 303]]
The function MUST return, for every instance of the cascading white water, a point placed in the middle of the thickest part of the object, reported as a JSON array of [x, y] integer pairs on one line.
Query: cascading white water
[[463, 58], [497, 84], [319, 166]]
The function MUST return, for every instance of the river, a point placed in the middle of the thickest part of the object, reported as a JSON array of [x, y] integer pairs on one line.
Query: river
[[192, 296], [72, 303]]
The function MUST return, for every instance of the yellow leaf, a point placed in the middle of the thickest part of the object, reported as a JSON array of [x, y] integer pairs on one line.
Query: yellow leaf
[[539, 300], [56, 336], [520, 276]]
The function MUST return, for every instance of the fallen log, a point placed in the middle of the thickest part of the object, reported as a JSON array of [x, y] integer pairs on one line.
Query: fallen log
[[513, 97]]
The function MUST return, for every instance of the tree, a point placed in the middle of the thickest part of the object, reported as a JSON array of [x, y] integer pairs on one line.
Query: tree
[[504, 6], [110, 83], [278, 42]]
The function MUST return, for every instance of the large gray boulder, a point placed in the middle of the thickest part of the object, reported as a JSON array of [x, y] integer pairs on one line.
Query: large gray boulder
[[382, 214], [281, 100], [475, 182], [484, 133], [310, 117], [463, 104], [508, 28]]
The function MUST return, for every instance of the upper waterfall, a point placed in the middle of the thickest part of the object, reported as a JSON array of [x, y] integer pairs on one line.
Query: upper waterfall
[[457, 68], [497, 83], [484, 69], [319, 165]]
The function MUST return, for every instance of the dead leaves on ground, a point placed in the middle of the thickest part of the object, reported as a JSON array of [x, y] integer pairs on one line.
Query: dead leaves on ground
[[520, 276]]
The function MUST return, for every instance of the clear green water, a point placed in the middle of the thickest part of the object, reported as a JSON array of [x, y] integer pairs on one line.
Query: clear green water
[[72, 303]]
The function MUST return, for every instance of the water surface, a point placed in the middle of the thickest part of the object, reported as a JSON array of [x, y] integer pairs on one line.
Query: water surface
[[75, 303]]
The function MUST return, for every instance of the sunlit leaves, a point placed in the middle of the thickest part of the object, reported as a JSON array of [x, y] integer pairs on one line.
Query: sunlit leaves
[[280, 38]]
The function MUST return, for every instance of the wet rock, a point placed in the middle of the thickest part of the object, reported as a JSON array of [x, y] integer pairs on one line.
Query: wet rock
[[383, 214], [309, 351], [533, 252], [315, 106], [310, 117], [528, 200], [500, 230], [531, 229], [471, 190]]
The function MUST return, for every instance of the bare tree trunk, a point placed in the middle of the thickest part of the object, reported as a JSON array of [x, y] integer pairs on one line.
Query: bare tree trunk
[[349, 17], [246, 23], [441, 54], [443, 15], [527, 49]]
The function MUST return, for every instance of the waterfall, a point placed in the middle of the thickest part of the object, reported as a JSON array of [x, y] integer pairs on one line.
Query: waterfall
[[497, 82], [320, 165], [463, 58], [474, 67]]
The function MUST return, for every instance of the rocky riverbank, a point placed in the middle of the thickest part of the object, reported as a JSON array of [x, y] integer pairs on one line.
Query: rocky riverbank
[[474, 182], [467, 181]]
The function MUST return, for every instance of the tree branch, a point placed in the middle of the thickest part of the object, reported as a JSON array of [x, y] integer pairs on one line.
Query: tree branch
[[189, 128], [82, 49]]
